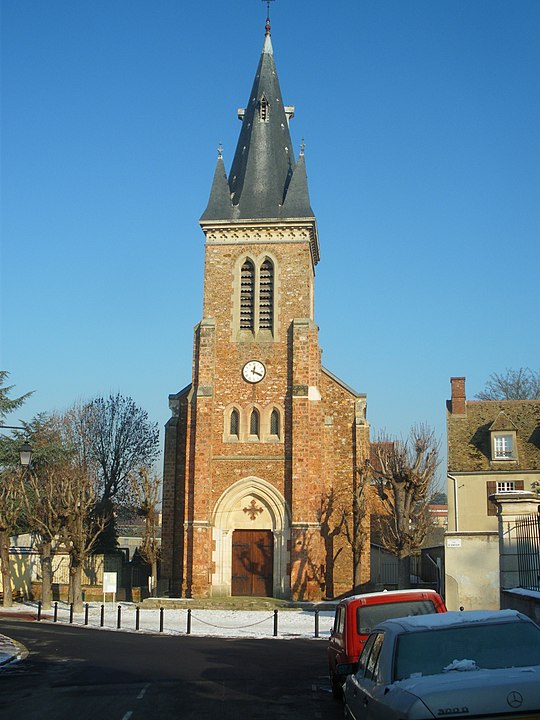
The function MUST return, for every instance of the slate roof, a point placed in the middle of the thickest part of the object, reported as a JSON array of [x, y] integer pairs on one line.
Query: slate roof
[[265, 181]]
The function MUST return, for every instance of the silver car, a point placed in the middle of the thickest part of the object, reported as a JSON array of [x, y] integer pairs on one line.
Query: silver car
[[457, 664]]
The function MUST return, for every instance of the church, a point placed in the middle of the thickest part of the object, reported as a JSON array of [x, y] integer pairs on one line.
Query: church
[[263, 445]]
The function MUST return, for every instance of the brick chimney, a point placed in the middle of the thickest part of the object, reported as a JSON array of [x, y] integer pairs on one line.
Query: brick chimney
[[458, 404]]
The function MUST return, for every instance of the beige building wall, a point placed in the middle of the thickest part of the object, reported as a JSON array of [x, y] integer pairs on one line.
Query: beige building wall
[[472, 570]]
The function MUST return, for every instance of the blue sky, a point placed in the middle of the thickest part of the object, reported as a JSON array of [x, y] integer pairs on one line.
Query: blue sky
[[422, 128]]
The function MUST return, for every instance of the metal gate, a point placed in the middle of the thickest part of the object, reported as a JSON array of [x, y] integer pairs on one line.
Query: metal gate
[[528, 551], [252, 563]]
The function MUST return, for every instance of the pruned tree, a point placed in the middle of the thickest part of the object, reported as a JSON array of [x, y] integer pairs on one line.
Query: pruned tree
[[38, 489], [10, 499], [114, 438], [10, 512], [354, 517], [403, 473], [43, 514], [520, 384], [80, 528], [146, 487]]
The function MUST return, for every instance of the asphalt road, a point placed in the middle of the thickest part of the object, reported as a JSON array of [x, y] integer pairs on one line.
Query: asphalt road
[[84, 674]]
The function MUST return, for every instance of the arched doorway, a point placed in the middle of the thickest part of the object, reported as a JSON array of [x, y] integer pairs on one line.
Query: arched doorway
[[251, 526]]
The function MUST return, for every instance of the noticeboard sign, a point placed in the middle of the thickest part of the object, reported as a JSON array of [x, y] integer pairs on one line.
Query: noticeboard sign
[[109, 582]]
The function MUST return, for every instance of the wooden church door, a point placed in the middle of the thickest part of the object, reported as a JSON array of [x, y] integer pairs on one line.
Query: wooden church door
[[252, 563]]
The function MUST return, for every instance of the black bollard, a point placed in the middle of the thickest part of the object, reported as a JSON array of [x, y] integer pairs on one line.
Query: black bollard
[[137, 613], [102, 619], [188, 631], [86, 614], [39, 611], [316, 623], [71, 613], [119, 620], [275, 622], [55, 611], [160, 619]]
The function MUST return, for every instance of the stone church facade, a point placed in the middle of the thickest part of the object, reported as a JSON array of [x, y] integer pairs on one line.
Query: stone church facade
[[262, 446]]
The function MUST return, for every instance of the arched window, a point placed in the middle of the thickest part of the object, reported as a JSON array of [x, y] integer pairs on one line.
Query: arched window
[[247, 292], [254, 423], [274, 422], [266, 295], [234, 426]]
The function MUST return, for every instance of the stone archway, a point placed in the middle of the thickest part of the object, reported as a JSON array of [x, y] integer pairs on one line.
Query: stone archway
[[250, 504]]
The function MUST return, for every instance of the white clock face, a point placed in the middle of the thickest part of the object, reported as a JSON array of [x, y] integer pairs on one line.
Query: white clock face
[[253, 371]]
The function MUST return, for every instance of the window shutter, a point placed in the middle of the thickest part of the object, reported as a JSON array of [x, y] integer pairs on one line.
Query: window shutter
[[491, 490]]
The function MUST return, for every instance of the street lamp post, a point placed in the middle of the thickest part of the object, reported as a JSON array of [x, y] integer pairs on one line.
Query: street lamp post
[[25, 450]]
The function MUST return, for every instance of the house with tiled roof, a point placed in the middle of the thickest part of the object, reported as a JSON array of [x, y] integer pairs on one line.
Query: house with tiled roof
[[493, 450]]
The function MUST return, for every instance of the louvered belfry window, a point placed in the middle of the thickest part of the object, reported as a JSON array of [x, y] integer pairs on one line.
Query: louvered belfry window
[[254, 423], [247, 295], [263, 109], [266, 296]]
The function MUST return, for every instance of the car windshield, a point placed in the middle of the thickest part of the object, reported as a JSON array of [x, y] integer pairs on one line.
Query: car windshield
[[469, 647], [367, 616]]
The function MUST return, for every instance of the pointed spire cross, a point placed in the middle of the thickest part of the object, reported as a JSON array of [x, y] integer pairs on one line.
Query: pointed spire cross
[[268, 15]]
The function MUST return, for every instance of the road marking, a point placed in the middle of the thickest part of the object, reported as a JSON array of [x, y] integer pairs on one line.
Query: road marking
[[143, 691], [128, 715]]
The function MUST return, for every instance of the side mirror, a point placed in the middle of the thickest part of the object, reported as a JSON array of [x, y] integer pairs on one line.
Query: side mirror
[[346, 668]]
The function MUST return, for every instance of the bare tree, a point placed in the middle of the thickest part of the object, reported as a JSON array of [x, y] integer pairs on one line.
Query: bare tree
[[403, 473], [10, 512], [354, 518], [114, 438], [520, 384], [76, 501], [146, 489], [43, 514]]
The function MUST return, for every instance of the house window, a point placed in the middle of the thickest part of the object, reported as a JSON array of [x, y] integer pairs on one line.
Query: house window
[[254, 423], [247, 293], [501, 486], [503, 446], [506, 486], [266, 295], [274, 423], [234, 428]]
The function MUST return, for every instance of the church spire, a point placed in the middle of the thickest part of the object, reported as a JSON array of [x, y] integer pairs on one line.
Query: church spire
[[264, 165]]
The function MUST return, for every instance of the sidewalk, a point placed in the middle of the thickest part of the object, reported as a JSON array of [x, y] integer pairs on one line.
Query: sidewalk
[[10, 650]]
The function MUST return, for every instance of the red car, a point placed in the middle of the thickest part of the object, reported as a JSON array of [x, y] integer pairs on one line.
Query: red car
[[357, 615]]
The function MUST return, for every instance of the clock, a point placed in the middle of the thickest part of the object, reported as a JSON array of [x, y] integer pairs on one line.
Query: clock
[[253, 371]]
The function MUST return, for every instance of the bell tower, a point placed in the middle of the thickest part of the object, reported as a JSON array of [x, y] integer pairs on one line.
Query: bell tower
[[252, 450]]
